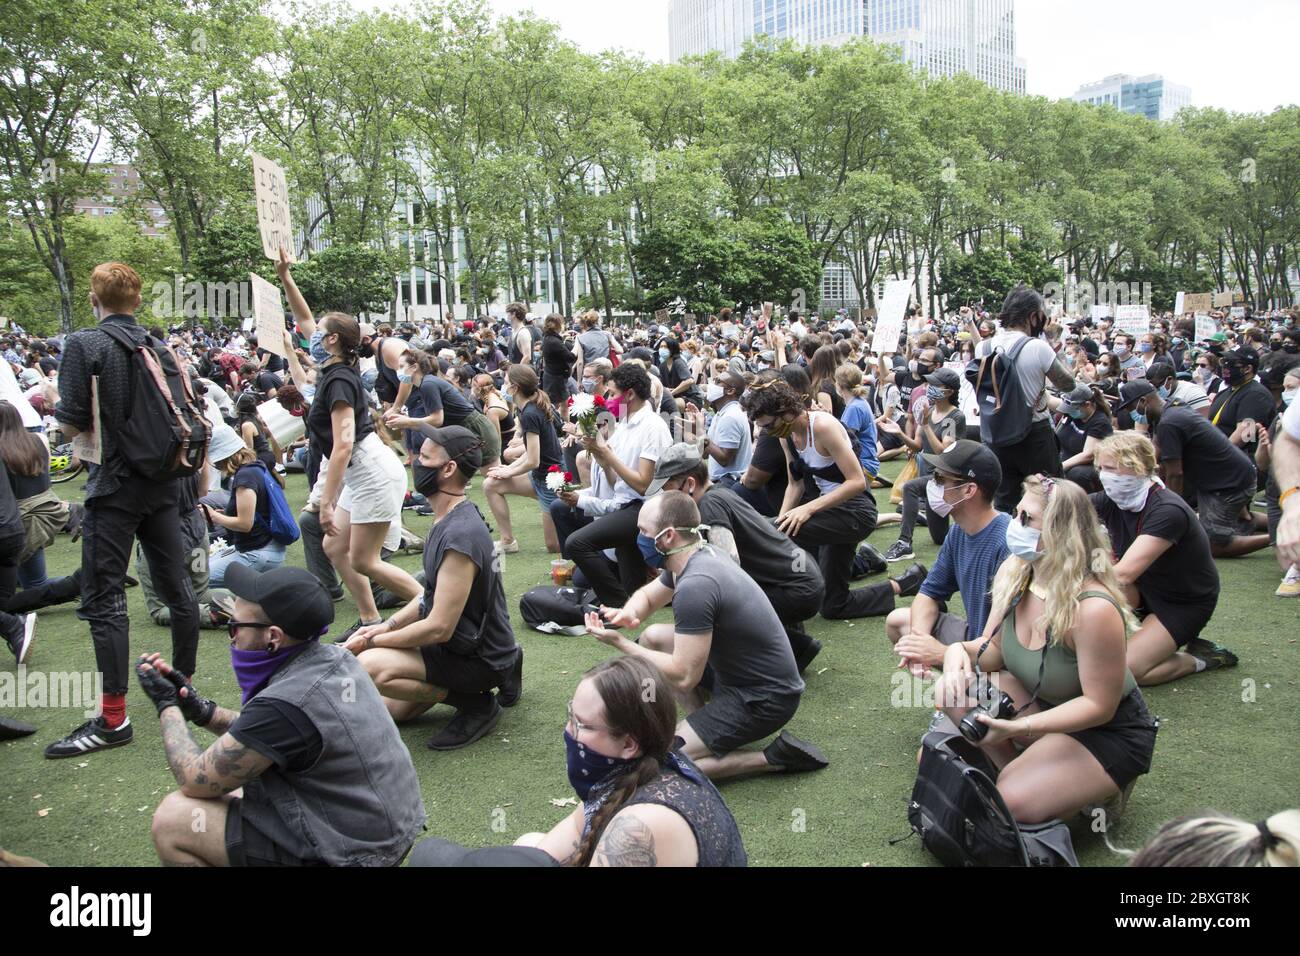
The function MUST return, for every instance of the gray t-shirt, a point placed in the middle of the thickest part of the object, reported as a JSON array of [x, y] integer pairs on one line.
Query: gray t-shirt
[[1031, 366], [750, 650], [464, 530]]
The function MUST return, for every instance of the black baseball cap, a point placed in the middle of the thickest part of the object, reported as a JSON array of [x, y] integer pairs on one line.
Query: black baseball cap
[[461, 445], [968, 459], [292, 599], [1159, 372], [1242, 355], [945, 378], [1130, 392]]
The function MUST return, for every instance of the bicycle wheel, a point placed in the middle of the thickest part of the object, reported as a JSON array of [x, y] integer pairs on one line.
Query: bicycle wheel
[[63, 466]]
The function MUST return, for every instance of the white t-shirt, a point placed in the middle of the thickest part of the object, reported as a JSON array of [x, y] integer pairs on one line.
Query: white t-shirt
[[1031, 366], [643, 435], [1191, 395]]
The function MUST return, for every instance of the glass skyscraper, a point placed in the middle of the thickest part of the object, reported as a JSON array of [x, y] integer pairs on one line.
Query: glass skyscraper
[[943, 37], [1150, 96]]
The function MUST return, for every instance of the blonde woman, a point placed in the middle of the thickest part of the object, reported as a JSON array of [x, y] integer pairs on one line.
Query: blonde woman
[[1055, 644], [1213, 839]]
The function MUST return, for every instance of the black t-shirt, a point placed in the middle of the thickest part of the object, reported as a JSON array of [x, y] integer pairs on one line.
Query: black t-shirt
[[767, 555], [769, 457], [339, 382], [273, 362], [28, 486], [1074, 435], [1252, 400], [533, 420], [1186, 572], [280, 732], [259, 535], [1210, 461], [465, 531], [674, 373], [267, 382], [837, 403], [437, 394]]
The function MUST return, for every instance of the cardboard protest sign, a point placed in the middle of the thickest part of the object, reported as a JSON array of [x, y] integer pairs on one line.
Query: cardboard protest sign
[[1222, 300], [268, 315], [889, 325], [1205, 327], [661, 316], [1132, 319], [88, 446], [1202, 302], [1237, 312], [272, 192]]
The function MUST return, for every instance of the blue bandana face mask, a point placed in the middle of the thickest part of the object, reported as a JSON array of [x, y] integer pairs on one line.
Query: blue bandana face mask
[[587, 769], [319, 354], [934, 394]]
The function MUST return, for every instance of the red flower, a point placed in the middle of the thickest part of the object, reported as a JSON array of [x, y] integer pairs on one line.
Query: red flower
[[553, 468], [568, 477], [600, 401], [569, 400]]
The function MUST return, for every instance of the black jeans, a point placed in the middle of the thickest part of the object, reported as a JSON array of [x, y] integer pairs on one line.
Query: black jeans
[[794, 606], [146, 510], [913, 492], [1037, 453], [833, 535], [567, 520], [313, 547], [10, 549], [617, 531]]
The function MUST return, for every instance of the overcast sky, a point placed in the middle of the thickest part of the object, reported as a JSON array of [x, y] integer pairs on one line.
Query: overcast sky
[[1234, 54]]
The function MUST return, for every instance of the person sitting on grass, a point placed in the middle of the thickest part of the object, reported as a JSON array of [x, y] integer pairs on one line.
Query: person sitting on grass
[[1055, 643], [295, 778], [1162, 560], [452, 644], [644, 803], [725, 640]]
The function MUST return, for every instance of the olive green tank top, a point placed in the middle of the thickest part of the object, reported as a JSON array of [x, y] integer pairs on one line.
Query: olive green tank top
[[1060, 668]]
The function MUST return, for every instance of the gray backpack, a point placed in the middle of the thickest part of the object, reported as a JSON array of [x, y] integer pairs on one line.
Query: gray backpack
[[1006, 413]]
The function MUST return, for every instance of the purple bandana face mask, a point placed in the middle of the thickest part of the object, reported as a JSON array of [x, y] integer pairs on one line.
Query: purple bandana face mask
[[254, 669]]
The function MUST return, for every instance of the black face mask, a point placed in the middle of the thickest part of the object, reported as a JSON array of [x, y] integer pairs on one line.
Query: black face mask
[[427, 482], [365, 350]]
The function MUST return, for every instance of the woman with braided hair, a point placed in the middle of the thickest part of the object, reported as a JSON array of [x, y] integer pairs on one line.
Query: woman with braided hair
[[643, 803]]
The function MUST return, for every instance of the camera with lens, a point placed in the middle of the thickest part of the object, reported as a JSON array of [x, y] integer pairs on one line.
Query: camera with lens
[[999, 706]]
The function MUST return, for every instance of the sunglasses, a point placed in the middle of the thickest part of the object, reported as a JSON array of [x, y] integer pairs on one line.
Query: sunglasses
[[233, 626]]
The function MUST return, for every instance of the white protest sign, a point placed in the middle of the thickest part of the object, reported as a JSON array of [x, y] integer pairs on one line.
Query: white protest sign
[[1100, 312], [1205, 327], [268, 315], [460, 311], [1237, 312], [249, 323], [284, 428], [1178, 303], [88, 446], [1133, 319], [12, 392], [272, 192], [889, 318]]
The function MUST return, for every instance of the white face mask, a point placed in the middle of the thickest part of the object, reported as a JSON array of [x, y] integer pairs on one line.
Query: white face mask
[[934, 498], [1022, 541], [1129, 492], [714, 392]]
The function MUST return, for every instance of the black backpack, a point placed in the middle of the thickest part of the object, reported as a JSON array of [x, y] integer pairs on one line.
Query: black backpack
[[1005, 413], [962, 819], [163, 433], [557, 610]]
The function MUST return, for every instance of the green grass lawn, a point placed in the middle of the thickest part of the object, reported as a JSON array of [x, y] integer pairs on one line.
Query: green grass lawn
[[1227, 739]]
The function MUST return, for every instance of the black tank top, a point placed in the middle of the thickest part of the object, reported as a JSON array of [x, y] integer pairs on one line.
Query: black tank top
[[716, 833]]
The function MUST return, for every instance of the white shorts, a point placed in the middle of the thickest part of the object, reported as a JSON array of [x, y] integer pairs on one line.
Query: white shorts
[[392, 541], [374, 484]]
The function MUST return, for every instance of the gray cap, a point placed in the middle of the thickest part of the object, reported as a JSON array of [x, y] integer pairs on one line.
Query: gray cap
[[676, 460], [945, 378], [1077, 396]]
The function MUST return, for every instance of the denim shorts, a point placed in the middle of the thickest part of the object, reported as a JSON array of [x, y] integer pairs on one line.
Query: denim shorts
[[545, 497]]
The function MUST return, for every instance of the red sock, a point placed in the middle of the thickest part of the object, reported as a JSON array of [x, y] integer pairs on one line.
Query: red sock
[[114, 710]]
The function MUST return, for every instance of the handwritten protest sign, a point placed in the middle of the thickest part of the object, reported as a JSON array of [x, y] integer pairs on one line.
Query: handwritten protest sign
[[889, 324], [1202, 302], [1205, 327], [1222, 300], [272, 192], [661, 316], [88, 445], [1132, 319], [284, 428], [268, 315]]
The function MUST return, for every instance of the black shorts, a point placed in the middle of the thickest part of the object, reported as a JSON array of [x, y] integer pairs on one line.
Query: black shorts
[[1221, 514], [385, 390], [734, 717], [1184, 620], [888, 442], [248, 846], [457, 672], [1123, 746]]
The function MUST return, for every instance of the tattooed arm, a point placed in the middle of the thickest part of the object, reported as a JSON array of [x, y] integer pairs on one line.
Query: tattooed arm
[[225, 766], [221, 721], [647, 835]]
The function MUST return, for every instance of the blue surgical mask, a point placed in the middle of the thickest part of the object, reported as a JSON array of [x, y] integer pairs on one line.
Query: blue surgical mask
[[1288, 397], [319, 354], [663, 355], [1146, 347], [404, 378], [1075, 413], [1138, 418], [588, 385], [1163, 391], [1121, 350], [1022, 541], [654, 558]]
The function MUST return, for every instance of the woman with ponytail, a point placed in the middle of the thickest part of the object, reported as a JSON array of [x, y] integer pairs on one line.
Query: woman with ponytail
[[1055, 642], [526, 475], [1085, 425], [1215, 839], [364, 481]]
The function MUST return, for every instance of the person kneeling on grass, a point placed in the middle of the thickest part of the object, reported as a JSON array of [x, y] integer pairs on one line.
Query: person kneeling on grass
[[312, 771], [725, 639], [453, 644], [644, 803]]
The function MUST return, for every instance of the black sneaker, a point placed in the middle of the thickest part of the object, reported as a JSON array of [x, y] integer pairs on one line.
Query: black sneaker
[[413, 500], [424, 511], [466, 727], [91, 736], [1215, 656], [804, 659], [512, 688], [130, 582], [13, 729], [900, 550], [20, 640], [357, 625], [792, 755], [910, 581]]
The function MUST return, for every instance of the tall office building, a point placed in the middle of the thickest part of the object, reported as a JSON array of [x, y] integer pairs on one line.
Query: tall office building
[[943, 37], [1150, 96]]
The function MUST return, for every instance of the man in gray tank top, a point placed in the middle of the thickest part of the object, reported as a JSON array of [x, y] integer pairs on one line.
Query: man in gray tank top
[[311, 772]]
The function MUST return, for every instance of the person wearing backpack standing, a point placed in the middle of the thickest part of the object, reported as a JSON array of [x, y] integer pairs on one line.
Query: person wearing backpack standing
[[1016, 422], [122, 503], [247, 518]]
